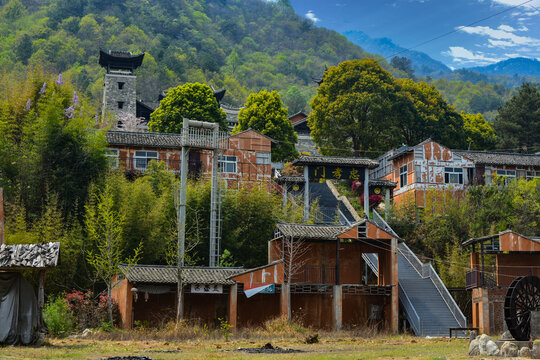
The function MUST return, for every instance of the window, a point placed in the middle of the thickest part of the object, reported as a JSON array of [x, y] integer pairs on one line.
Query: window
[[263, 158], [142, 158], [419, 153], [453, 175], [418, 173], [120, 104], [533, 174], [120, 85], [508, 175], [112, 156], [403, 176], [227, 164]]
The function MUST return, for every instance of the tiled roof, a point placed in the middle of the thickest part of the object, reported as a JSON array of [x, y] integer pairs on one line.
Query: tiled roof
[[231, 112], [148, 139], [335, 160], [499, 158], [314, 232], [29, 255], [162, 274]]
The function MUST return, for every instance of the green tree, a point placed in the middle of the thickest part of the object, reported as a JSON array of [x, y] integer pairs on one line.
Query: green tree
[[403, 64], [104, 228], [480, 134], [355, 109], [13, 10], [518, 123], [432, 117], [192, 101], [265, 113], [295, 100]]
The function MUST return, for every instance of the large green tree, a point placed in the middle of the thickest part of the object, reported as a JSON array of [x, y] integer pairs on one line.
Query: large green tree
[[265, 113], [518, 121], [192, 101], [355, 109], [480, 134], [432, 116]]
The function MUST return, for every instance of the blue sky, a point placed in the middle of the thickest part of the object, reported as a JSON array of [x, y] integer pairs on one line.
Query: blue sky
[[516, 32]]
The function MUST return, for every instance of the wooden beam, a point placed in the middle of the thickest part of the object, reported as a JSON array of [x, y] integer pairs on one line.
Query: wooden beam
[[41, 299]]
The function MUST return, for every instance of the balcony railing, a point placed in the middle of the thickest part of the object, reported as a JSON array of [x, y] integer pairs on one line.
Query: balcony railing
[[475, 278], [313, 274]]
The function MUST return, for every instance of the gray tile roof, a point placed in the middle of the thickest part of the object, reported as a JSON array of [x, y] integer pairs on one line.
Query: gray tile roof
[[29, 255], [335, 160], [231, 112], [313, 232], [499, 158], [147, 139], [162, 274]]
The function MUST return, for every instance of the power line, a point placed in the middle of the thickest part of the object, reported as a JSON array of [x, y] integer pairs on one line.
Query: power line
[[458, 29]]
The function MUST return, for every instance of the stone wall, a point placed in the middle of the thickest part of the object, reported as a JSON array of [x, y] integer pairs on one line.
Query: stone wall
[[119, 94]]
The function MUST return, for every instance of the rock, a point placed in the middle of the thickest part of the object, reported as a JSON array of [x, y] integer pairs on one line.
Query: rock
[[509, 349], [482, 341], [535, 353], [312, 339], [525, 352], [507, 336], [488, 348], [474, 349], [86, 333]]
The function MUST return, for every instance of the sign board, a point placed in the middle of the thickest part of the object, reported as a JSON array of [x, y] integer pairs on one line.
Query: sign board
[[259, 289], [206, 289], [323, 172]]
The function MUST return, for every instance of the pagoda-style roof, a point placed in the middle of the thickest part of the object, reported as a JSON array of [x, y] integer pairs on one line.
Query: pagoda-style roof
[[335, 160], [120, 60]]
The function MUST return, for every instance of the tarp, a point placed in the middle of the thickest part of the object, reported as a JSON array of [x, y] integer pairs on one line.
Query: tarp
[[268, 289], [18, 310]]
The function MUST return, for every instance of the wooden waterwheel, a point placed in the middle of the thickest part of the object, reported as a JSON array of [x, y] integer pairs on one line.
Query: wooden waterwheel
[[522, 297]]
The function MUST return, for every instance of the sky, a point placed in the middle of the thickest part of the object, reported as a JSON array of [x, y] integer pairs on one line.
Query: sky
[[513, 33]]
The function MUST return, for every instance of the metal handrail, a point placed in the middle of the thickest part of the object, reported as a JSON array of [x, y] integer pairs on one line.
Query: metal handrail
[[415, 321], [377, 219], [427, 270]]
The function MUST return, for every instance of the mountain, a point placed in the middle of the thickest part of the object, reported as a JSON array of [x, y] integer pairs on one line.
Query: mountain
[[240, 45], [422, 63], [519, 65]]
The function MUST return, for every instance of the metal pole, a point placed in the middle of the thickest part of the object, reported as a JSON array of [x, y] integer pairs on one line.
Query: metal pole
[[366, 192], [306, 194], [181, 222], [214, 246], [386, 204]]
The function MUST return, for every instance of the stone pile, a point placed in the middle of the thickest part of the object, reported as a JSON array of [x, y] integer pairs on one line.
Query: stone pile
[[486, 346], [29, 255]]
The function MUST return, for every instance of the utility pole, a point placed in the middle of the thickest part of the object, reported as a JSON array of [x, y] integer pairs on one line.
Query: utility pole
[[180, 203]]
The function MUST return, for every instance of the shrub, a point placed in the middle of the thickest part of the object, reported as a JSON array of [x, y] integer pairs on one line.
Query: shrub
[[58, 316], [90, 311]]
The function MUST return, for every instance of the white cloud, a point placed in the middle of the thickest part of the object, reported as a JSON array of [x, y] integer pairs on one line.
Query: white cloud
[[502, 36], [534, 3], [462, 56], [311, 16], [512, 55]]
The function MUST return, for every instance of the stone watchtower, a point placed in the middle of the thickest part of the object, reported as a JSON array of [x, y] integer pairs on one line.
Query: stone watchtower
[[119, 94]]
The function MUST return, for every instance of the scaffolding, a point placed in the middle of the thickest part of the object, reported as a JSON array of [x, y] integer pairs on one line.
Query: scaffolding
[[200, 135]]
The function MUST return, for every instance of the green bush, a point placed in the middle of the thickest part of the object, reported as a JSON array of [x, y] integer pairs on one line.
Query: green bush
[[58, 316]]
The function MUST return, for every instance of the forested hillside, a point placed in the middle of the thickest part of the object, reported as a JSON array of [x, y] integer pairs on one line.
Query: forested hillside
[[242, 45]]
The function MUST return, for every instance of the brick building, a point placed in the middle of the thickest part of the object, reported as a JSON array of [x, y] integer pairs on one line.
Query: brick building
[[514, 255], [432, 166], [247, 157]]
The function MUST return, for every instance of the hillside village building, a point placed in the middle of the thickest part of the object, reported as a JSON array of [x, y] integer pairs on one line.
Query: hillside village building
[[515, 255], [430, 166]]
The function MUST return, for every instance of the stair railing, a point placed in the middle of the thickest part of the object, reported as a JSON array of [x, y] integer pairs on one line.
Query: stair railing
[[412, 315], [427, 270]]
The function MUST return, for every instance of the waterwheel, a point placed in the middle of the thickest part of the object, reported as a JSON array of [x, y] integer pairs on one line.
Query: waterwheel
[[522, 297]]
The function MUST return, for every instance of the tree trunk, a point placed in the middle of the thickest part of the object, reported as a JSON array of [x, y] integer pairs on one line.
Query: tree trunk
[[109, 304]]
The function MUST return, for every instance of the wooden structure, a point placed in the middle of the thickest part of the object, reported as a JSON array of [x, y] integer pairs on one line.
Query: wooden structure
[[320, 168], [325, 280], [515, 255]]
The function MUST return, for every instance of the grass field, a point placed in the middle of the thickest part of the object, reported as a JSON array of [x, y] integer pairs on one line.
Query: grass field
[[330, 347]]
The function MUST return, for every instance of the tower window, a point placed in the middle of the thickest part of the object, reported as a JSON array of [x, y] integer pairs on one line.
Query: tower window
[[120, 104], [121, 85]]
